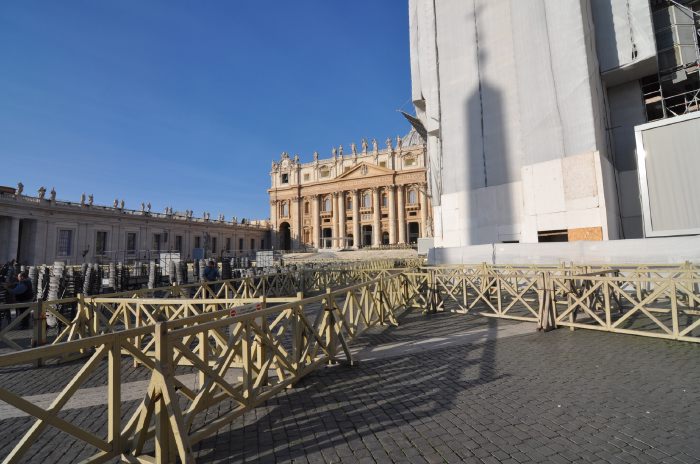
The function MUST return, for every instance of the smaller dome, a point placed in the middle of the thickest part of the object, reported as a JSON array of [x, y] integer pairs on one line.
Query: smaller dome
[[411, 139]]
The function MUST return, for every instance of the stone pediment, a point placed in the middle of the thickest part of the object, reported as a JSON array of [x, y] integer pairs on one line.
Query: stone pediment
[[364, 170]]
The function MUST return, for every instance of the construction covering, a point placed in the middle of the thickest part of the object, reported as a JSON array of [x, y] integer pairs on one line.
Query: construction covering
[[502, 85]]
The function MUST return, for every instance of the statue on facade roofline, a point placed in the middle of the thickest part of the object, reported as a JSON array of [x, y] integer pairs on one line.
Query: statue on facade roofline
[[399, 142], [82, 199], [91, 199], [364, 146], [121, 204], [353, 149], [315, 156], [340, 152], [20, 189], [334, 152], [143, 207], [42, 192], [285, 155], [53, 194], [296, 158], [388, 143], [375, 148], [148, 206]]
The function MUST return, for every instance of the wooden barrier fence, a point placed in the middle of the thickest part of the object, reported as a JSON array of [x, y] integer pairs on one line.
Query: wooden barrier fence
[[81, 320], [239, 361]]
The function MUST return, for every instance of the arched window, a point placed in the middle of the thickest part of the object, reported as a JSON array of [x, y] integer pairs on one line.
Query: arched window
[[385, 200], [412, 197], [285, 209], [366, 200], [327, 204]]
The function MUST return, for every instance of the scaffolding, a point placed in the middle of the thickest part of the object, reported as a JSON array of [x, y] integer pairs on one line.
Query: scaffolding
[[675, 89]]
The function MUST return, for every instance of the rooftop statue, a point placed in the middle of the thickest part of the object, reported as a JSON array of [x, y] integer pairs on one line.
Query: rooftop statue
[[91, 199], [121, 205], [82, 199], [20, 189], [388, 143], [340, 152], [143, 207], [42, 192], [399, 141], [353, 148], [364, 146], [375, 148], [334, 152], [53, 194], [116, 203], [315, 156]]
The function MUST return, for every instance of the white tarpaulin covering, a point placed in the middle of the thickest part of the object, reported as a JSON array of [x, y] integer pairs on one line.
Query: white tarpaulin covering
[[509, 84]]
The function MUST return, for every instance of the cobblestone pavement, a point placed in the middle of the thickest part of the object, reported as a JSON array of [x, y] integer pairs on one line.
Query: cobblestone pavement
[[450, 388], [562, 397]]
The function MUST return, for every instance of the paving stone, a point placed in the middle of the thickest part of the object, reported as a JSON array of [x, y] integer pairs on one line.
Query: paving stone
[[563, 396]]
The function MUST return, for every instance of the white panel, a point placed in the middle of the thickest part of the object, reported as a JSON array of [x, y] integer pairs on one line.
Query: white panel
[[672, 167], [540, 124], [624, 32], [579, 178], [498, 90], [672, 250], [548, 187]]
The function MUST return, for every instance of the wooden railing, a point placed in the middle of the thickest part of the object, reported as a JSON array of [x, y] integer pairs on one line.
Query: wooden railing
[[239, 361], [654, 301], [77, 318]]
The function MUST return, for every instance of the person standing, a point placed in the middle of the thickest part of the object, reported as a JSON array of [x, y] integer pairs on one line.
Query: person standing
[[211, 272], [22, 292]]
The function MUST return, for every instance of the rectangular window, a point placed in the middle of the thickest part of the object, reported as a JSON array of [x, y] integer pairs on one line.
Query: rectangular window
[[131, 243], [382, 164], [65, 242], [178, 243], [100, 242], [213, 245], [228, 244], [262, 244], [307, 177], [198, 242], [240, 244], [285, 178], [157, 240], [252, 244]]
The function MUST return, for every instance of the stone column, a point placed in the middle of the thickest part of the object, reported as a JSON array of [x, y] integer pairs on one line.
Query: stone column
[[423, 211], [341, 219], [274, 218], [334, 219], [13, 242], [392, 215], [316, 211], [295, 213], [402, 214], [377, 217], [357, 242]]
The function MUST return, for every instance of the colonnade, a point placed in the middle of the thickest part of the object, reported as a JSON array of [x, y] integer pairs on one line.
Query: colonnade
[[403, 204]]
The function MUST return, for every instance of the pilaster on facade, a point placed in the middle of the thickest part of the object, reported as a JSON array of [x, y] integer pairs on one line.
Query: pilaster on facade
[[364, 188]]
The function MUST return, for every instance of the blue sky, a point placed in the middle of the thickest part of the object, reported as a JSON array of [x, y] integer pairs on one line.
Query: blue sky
[[185, 103]]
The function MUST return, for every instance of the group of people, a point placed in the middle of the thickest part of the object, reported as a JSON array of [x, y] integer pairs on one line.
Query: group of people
[[19, 290]]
